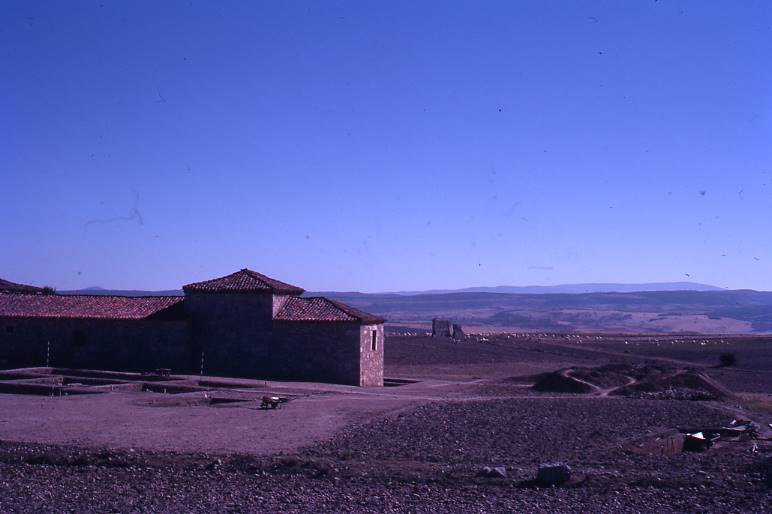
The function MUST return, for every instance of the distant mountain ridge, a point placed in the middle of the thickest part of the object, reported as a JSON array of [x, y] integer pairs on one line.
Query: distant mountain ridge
[[100, 291], [576, 288], [556, 289], [739, 311], [672, 308]]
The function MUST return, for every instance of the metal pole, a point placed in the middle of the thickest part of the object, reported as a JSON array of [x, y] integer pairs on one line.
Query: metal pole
[[202, 364], [48, 354]]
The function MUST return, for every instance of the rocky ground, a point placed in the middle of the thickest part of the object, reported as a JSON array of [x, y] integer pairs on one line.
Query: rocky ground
[[423, 452], [423, 460], [58, 489]]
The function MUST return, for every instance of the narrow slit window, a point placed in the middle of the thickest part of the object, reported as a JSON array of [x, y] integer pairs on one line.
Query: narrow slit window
[[374, 340]]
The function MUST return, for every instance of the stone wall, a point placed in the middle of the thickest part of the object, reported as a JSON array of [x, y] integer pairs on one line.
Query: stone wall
[[278, 302], [442, 328], [317, 352], [234, 331], [125, 345], [371, 359]]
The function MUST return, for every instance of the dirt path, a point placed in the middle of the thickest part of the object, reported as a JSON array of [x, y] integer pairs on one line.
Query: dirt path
[[610, 390], [597, 390]]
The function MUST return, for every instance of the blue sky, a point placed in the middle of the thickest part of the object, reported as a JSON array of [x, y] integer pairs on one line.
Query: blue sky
[[386, 145]]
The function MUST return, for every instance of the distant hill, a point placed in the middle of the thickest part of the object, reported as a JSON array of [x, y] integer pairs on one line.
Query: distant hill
[[717, 312], [558, 289], [576, 288], [99, 291], [683, 308]]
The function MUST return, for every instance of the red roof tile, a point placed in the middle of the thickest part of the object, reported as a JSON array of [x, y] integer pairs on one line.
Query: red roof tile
[[88, 307], [243, 281], [323, 309], [6, 286]]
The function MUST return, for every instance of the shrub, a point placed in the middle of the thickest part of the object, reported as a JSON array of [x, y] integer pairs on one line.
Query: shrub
[[728, 359]]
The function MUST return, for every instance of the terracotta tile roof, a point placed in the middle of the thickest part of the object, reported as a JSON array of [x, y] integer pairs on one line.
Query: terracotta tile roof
[[323, 309], [243, 281], [6, 286], [90, 307]]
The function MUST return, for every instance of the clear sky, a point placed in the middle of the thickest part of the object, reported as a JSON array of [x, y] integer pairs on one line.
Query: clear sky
[[386, 145]]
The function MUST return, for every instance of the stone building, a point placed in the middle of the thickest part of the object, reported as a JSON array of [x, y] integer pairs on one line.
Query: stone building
[[444, 328], [244, 324]]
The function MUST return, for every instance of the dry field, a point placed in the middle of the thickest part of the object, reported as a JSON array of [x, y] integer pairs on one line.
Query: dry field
[[412, 448]]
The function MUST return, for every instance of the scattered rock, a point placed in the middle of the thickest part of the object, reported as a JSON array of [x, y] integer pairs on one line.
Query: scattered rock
[[553, 473], [216, 463], [492, 472]]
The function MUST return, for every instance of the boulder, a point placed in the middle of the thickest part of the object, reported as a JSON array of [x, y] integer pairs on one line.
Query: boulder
[[553, 473]]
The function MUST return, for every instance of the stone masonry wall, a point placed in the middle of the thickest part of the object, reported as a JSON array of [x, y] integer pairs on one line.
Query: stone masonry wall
[[236, 332], [317, 352], [233, 330], [371, 360], [126, 345], [278, 302]]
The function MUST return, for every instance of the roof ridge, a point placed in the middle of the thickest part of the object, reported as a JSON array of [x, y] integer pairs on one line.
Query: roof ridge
[[244, 280], [256, 275]]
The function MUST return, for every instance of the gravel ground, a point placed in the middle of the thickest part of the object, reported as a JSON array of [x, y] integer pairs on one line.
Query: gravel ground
[[519, 432], [58, 489], [408, 458], [450, 441], [421, 460]]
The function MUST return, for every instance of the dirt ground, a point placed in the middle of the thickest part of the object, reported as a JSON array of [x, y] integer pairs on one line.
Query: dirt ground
[[183, 422], [205, 445]]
